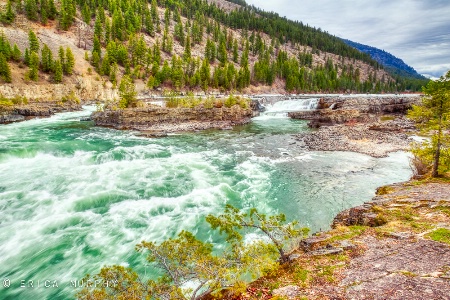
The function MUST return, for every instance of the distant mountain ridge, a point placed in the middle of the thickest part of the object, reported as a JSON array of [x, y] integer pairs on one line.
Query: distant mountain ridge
[[390, 62]]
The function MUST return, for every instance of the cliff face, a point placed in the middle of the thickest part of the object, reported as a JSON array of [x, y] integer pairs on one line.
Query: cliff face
[[338, 110], [161, 119]]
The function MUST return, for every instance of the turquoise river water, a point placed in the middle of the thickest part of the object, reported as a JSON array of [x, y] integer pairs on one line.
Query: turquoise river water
[[74, 197]]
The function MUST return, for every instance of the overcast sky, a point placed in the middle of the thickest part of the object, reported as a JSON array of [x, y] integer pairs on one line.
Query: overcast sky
[[417, 31]]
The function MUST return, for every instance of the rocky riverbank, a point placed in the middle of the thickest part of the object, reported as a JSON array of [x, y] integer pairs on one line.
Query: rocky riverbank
[[396, 246], [376, 139], [43, 109], [373, 125], [154, 121]]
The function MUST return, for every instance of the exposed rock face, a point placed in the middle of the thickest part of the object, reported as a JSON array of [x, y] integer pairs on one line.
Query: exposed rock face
[[161, 119], [338, 110], [42, 109]]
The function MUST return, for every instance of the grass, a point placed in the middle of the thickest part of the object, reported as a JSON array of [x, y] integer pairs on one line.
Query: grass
[[440, 235], [384, 190], [444, 209], [346, 233]]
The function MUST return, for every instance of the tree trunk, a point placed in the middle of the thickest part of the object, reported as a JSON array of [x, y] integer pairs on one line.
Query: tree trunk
[[437, 154]]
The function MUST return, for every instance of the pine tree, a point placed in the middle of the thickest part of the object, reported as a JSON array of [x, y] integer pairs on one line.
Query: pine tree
[[86, 13], [44, 12], [31, 9], [26, 57], [70, 62], [52, 12], [9, 15], [16, 54], [61, 56], [58, 76], [127, 92], [187, 50], [5, 71], [235, 51], [98, 28], [34, 42], [46, 59], [33, 73], [205, 74], [155, 15]]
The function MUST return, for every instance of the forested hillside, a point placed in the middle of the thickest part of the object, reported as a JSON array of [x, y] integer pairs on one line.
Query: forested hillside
[[181, 45]]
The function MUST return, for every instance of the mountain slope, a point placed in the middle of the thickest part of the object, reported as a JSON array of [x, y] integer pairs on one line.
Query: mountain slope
[[194, 45], [390, 62]]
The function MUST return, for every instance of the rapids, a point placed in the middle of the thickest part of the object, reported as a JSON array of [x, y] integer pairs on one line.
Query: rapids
[[74, 197]]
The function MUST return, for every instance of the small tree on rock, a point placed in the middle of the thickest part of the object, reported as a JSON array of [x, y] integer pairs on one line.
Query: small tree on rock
[[433, 117], [127, 92], [274, 227]]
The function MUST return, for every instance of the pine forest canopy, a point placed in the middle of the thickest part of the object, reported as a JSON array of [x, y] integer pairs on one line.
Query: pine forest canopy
[[242, 47]]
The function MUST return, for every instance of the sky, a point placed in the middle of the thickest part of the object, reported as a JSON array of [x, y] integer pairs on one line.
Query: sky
[[417, 31]]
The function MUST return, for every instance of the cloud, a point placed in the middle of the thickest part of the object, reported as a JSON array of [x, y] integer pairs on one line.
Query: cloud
[[416, 31]]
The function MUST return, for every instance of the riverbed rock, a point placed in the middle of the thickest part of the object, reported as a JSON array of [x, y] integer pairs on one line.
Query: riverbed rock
[[362, 109], [165, 120], [17, 113]]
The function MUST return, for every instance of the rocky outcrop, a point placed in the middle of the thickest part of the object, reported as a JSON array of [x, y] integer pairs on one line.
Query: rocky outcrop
[[19, 113], [338, 110], [163, 120]]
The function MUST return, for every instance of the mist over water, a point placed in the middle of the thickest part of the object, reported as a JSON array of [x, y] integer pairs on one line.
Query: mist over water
[[74, 197]]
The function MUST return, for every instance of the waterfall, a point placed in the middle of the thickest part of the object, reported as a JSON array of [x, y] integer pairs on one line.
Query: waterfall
[[280, 109]]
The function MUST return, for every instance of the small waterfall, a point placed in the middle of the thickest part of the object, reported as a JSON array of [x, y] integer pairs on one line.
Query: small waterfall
[[280, 109]]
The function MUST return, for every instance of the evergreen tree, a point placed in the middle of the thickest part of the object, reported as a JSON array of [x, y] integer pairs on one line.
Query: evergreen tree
[[31, 10], [235, 51], [62, 56], [205, 74], [58, 76], [127, 92], [9, 15], [16, 54], [34, 42], [187, 50], [52, 12], [433, 117], [33, 73], [26, 57], [46, 59], [44, 12], [155, 15], [5, 71], [69, 63], [86, 13]]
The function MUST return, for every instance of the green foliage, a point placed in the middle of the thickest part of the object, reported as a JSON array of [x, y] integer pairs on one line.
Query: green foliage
[[440, 235], [192, 269], [8, 16], [69, 62], [274, 227], [5, 71], [58, 76], [34, 42], [31, 10], [432, 116], [33, 73], [17, 100], [127, 92], [71, 98], [46, 59]]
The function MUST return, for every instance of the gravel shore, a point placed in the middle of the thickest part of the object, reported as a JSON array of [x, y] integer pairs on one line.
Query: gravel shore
[[374, 139]]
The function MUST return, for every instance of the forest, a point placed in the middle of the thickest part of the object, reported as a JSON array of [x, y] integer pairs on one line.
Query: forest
[[139, 39]]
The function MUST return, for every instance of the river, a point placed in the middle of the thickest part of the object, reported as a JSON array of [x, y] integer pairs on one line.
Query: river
[[74, 197]]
